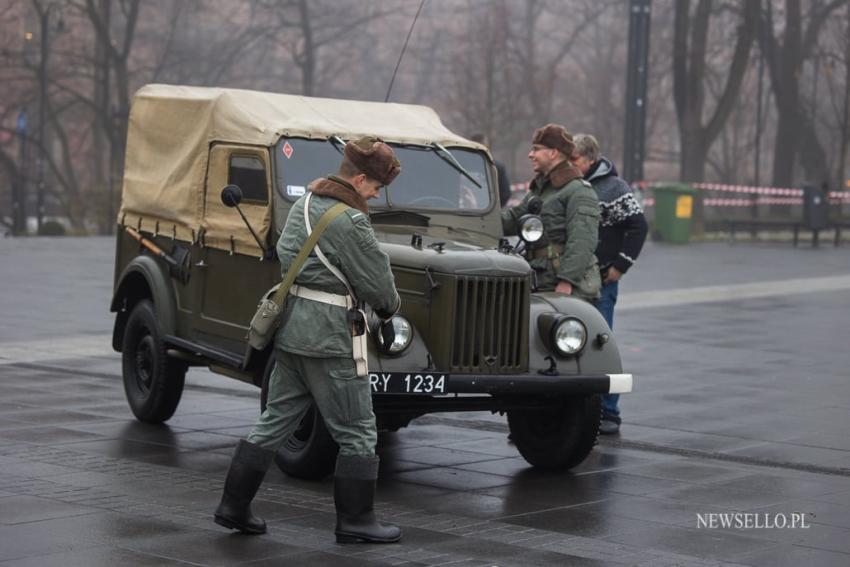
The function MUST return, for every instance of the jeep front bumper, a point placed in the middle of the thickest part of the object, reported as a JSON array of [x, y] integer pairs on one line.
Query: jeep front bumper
[[541, 384], [439, 383]]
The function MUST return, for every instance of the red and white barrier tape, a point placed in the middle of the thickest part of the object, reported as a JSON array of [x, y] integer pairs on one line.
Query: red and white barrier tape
[[778, 195]]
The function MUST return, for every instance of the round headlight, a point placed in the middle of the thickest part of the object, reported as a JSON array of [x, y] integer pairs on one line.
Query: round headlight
[[570, 336], [531, 228], [403, 335]]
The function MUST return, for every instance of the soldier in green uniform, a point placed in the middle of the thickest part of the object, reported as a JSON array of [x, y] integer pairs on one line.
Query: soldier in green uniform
[[564, 258], [313, 347]]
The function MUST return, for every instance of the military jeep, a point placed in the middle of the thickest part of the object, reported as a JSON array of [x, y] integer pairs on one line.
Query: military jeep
[[194, 255]]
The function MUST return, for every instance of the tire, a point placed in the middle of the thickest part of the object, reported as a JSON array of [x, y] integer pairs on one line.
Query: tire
[[310, 452], [560, 437], [153, 382]]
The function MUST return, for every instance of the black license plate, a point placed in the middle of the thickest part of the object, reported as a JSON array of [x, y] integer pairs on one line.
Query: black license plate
[[408, 383]]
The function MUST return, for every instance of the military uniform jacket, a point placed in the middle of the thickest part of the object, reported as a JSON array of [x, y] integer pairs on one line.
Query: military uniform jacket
[[570, 217], [315, 329]]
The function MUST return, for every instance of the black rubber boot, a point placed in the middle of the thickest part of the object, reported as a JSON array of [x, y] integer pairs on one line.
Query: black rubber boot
[[246, 473], [354, 496]]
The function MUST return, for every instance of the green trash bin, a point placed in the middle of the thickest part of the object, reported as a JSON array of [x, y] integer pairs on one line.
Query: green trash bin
[[674, 208]]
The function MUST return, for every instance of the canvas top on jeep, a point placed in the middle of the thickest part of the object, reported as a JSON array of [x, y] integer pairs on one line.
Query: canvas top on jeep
[[172, 128]]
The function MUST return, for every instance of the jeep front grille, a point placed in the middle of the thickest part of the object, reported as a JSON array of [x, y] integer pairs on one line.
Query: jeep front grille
[[491, 325]]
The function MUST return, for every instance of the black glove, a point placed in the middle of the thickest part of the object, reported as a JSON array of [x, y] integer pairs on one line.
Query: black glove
[[387, 334]]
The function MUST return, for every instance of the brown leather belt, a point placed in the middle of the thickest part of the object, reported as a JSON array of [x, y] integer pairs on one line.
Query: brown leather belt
[[552, 252]]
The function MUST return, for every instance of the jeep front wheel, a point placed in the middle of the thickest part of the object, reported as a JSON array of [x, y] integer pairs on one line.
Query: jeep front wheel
[[310, 452], [153, 382], [559, 437]]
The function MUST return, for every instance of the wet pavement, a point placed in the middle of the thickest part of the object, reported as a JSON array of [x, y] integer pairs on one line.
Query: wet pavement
[[742, 405]]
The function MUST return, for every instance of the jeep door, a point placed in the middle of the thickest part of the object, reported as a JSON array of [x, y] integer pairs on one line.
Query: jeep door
[[233, 274]]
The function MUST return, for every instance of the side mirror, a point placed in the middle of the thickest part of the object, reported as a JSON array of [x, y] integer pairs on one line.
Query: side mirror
[[231, 196], [535, 205]]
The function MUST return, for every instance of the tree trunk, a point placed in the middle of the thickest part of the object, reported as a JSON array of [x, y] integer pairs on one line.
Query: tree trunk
[[693, 158], [689, 75], [796, 133], [842, 156], [785, 147], [102, 125]]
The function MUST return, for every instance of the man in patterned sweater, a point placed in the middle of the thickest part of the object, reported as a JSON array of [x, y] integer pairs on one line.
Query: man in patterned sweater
[[622, 231]]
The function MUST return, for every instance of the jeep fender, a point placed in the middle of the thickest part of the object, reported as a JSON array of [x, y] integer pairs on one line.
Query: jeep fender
[[595, 358], [143, 278]]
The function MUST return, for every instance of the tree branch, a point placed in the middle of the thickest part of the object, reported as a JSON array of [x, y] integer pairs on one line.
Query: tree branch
[[740, 62]]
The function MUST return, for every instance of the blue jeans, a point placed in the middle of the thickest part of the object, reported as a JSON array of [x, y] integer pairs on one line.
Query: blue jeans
[[605, 304]]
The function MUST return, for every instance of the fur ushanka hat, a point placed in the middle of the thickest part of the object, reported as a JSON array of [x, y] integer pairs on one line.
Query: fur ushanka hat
[[374, 158], [556, 137]]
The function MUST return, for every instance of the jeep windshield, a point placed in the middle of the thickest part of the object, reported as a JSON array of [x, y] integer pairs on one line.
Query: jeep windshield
[[427, 180]]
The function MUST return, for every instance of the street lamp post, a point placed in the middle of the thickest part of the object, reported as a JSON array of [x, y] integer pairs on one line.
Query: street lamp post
[[19, 188], [42, 116], [637, 70]]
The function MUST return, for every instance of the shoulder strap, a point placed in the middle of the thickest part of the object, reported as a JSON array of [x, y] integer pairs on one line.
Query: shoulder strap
[[299, 260], [322, 258]]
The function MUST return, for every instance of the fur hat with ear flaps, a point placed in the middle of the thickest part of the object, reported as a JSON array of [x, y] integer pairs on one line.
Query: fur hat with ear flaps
[[556, 137], [374, 158]]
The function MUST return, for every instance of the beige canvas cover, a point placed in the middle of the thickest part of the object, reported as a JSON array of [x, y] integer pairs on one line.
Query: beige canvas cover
[[171, 129], [223, 228]]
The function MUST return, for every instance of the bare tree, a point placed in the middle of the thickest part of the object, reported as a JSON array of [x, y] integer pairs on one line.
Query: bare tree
[[310, 28], [796, 133], [690, 61]]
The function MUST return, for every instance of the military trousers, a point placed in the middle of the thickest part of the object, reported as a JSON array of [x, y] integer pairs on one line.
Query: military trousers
[[343, 398]]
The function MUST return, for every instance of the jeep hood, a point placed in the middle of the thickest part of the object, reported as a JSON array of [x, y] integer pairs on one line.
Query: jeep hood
[[453, 257]]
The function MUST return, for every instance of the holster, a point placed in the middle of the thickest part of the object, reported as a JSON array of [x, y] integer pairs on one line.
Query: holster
[[359, 341]]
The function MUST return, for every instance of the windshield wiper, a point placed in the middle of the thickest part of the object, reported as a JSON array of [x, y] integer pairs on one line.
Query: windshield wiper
[[447, 156], [338, 143], [466, 230]]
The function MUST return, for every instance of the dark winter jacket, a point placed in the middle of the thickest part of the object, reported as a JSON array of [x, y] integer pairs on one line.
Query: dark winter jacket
[[570, 216], [622, 226]]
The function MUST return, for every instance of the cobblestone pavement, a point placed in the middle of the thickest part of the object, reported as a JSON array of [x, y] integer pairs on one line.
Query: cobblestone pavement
[[741, 405]]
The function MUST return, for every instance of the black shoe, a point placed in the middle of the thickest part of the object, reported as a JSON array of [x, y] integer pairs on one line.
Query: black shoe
[[610, 424], [354, 496], [246, 473]]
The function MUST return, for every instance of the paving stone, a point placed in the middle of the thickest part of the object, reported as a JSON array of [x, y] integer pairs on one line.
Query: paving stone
[[26, 509], [580, 522], [793, 556], [46, 435], [717, 544], [451, 478], [100, 556], [750, 425]]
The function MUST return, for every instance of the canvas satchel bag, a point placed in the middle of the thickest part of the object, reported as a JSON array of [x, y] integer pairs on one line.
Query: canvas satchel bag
[[266, 320]]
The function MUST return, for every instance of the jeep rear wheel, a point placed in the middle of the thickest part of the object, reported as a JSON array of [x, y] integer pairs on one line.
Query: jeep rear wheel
[[559, 437], [153, 382], [310, 452]]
